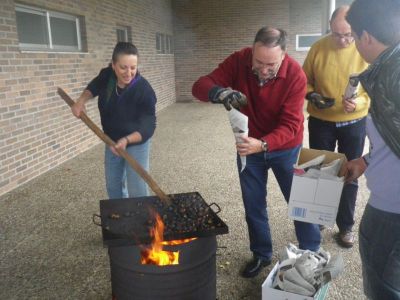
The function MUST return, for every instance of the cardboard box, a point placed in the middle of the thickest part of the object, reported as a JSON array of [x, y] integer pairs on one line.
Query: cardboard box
[[316, 200], [269, 293]]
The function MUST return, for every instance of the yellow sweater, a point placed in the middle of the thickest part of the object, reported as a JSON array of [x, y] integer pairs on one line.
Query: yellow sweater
[[327, 69]]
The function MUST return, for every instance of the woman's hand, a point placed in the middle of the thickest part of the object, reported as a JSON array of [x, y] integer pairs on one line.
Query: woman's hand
[[121, 144], [78, 108], [79, 105], [248, 146]]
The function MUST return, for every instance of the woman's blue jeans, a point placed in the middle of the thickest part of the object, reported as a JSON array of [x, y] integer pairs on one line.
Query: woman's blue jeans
[[121, 180], [253, 181], [379, 244]]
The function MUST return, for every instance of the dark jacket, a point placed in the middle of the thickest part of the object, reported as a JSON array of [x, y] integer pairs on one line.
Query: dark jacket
[[134, 110], [382, 83]]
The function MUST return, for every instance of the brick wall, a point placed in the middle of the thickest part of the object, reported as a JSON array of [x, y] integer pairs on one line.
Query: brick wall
[[207, 31], [305, 18], [37, 130]]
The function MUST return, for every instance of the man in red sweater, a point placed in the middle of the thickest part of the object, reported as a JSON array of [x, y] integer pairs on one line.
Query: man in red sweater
[[275, 87]]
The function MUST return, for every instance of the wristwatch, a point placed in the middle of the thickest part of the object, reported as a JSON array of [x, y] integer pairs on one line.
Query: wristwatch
[[264, 145]]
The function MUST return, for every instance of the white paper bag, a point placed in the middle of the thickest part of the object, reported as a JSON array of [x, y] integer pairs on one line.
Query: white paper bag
[[239, 124]]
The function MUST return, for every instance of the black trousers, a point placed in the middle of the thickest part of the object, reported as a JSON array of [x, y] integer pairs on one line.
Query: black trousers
[[350, 140]]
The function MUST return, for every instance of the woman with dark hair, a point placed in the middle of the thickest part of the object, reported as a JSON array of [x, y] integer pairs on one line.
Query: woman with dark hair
[[126, 103]]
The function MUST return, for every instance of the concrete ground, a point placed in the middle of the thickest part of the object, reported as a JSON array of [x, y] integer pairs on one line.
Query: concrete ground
[[50, 249]]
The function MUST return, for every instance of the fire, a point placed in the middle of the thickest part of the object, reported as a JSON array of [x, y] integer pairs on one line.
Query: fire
[[155, 255]]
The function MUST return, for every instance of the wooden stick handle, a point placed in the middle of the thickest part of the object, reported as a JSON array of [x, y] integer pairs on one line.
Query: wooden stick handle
[[106, 139]]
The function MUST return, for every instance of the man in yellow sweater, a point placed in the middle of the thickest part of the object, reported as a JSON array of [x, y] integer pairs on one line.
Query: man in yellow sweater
[[333, 118]]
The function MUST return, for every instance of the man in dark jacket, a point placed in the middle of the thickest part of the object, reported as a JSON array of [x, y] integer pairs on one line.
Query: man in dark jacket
[[275, 86], [375, 26]]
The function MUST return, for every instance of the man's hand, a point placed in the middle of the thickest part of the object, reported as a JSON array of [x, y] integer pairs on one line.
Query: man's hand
[[248, 146], [349, 105], [354, 169], [228, 97], [320, 101]]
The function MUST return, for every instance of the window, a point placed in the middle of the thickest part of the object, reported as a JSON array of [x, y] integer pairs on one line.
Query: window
[[122, 34], [160, 42], [164, 43], [304, 41], [168, 44], [40, 29]]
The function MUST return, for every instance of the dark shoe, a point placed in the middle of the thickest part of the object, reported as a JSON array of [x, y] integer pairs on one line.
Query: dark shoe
[[346, 239], [254, 267]]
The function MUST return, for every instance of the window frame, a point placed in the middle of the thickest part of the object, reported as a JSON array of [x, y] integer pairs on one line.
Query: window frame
[[305, 34], [159, 37], [50, 47], [125, 29], [164, 44], [169, 44]]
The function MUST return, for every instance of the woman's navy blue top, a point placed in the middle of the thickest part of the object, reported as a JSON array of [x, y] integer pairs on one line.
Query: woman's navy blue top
[[133, 110]]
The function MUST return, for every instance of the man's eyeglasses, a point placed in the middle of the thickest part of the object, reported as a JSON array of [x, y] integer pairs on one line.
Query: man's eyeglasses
[[346, 36], [272, 70]]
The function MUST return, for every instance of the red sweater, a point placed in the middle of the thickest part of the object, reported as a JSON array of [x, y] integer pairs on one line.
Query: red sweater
[[275, 110]]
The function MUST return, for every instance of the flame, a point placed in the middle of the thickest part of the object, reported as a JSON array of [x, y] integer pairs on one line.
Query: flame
[[155, 255]]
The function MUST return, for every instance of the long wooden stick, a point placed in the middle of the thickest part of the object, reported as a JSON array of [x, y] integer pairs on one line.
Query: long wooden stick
[[106, 139]]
